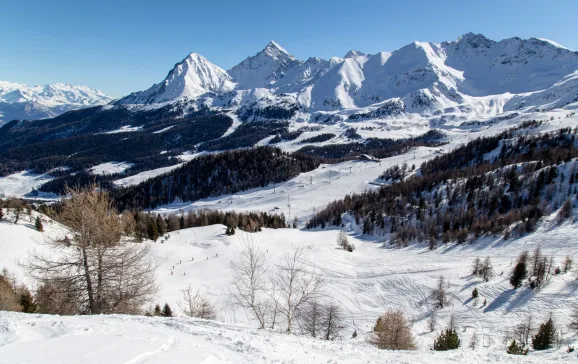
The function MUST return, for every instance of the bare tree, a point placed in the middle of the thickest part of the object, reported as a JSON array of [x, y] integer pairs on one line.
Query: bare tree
[[250, 282], [439, 293], [333, 321], [311, 318], [474, 341], [392, 332], [194, 304], [523, 331], [94, 263], [567, 264], [295, 286], [487, 270], [9, 301], [432, 321], [476, 266]]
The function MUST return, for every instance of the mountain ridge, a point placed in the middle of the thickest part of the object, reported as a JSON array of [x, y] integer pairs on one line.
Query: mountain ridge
[[20, 101], [427, 76]]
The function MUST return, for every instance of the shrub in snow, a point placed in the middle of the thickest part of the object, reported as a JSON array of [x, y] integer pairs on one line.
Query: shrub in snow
[[448, 340], [516, 349], [392, 332]]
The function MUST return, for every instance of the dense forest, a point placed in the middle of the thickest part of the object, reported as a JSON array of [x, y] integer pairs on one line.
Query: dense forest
[[143, 148], [495, 185], [214, 175]]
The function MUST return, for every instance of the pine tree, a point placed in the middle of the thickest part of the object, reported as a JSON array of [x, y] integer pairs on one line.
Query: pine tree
[[1, 213], [475, 293], [516, 349], [545, 337], [27, 303], [182, 223], [157, 310], [518, 275], [167, 312], [38, 224], [448, 340], [152, 230]]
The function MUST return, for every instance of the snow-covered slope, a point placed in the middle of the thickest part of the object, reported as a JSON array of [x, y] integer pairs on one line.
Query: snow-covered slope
[[19, 101], [44, 339], [366, 282]]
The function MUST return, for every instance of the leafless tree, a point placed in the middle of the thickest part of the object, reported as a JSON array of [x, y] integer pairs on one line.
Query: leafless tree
[[523, 331], [476, 266], [56, 298], [250, 282], [310, 318], [295, 286], [194, 304], [392, 332], [487, 270], [333, 321], [567, 264], [474, 341], [8, 298], [574, 320], [439, 293], [94, 263], [343, 241], [432, 321]]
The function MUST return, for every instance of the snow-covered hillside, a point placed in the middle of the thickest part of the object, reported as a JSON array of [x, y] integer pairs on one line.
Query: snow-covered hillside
[[366, 282], [19, 101], [124, 339]]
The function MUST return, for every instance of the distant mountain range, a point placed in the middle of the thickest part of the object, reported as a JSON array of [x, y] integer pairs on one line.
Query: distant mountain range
[[424, 77], [19, 101]]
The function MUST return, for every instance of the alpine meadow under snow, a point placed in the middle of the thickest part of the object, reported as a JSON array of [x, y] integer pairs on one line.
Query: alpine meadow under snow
[[349, 210]]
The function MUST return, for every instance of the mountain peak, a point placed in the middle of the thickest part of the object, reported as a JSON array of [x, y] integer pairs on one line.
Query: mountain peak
[[475, 40], [193, 76], [263, 69], [274, 50], [354, 53]]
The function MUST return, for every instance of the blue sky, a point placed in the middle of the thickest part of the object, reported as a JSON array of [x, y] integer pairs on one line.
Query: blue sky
[[123, 46]]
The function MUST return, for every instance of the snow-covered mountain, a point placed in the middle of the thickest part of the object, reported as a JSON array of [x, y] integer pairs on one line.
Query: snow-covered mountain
[[263, 69], [19, 101], [192, 77], [426, 77]]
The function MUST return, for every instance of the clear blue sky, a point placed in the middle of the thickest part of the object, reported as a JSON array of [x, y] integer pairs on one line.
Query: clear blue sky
[[123, 46]]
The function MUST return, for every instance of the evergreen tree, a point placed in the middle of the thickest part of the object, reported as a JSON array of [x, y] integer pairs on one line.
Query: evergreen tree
[[182, 223], [475, 293], [516, 349], [518, 275], [38, 224], [167, 312], [152, 230], [448, 340], [1, 213], [157, 310], [545, 337], [27, 303]]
